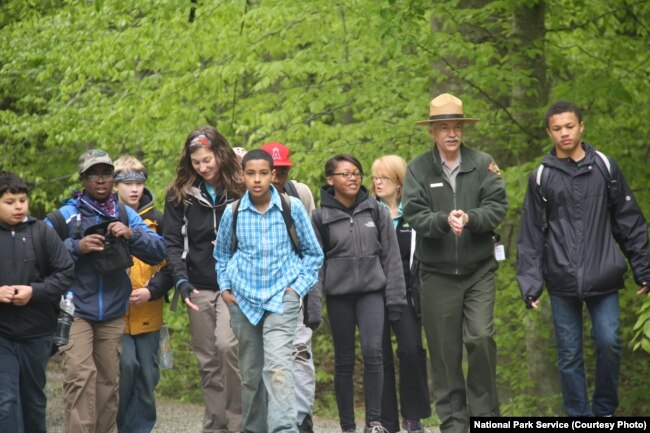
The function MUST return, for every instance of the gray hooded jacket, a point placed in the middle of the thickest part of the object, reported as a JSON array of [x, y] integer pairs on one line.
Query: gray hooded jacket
[[360, 257]]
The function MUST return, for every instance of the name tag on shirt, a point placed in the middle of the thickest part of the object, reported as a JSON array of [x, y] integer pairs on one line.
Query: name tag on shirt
[[436, 185], [499, 253]]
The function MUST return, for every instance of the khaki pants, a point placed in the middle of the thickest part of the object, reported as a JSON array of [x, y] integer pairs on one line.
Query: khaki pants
[[457, 311], [215, 347], [91, 362]]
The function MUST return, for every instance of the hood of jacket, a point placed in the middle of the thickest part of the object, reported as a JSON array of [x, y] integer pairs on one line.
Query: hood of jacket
[[146, 202], [327, 198]]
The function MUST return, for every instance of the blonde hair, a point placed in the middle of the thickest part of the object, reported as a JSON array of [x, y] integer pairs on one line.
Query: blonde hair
[[128, 164], [395, 168]]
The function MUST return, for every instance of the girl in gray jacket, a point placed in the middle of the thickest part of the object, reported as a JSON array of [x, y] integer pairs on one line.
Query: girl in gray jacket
[[361, 276]]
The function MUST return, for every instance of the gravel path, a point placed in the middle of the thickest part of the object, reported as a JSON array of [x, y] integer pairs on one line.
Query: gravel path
[[173, 416]]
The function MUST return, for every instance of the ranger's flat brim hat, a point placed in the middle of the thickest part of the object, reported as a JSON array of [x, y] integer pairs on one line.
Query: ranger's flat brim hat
[[446, 108]]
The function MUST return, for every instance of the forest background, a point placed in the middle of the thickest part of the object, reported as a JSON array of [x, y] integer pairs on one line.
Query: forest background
[[330, 76]]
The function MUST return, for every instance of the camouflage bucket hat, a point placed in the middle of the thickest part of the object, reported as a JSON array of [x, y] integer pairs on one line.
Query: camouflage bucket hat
[[93, 157]]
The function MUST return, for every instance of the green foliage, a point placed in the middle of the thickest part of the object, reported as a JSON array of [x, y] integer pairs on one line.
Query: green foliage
[[327, 77]]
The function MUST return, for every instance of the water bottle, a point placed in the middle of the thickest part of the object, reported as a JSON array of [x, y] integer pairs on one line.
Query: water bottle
[[63, 323], [166, 359]]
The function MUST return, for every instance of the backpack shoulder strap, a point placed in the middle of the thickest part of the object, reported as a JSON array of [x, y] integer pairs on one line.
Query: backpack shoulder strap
[[59, 224], [38, 240], [124, 216], [288, 222], [233, 237], [604, 160], [541, 177], [605, 166], [290, 188], [324, 232]]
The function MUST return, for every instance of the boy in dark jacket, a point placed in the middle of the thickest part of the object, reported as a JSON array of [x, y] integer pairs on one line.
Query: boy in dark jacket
[[577, 212], [28, 307]]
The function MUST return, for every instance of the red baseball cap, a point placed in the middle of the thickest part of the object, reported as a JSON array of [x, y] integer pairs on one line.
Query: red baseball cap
[[279, 152]]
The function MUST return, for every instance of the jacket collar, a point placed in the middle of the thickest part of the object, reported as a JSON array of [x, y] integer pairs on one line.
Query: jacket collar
[[246, 203], [551, 159], [20, 226], [466, 163]]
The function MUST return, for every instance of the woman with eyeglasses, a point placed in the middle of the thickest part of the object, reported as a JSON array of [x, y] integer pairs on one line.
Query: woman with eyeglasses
[[208, 178], [388, 174], [362, 276]]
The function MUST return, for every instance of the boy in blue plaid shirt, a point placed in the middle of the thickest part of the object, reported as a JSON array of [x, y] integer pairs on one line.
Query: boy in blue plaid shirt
[[263, 279]]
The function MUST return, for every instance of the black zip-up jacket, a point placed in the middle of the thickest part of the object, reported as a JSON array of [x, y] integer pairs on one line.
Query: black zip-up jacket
[[19, 266], [189, 229], [578, 255]]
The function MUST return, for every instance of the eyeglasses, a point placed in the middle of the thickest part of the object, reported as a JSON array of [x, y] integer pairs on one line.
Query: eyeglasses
[[347, 175], [383, 179], [97, 177]]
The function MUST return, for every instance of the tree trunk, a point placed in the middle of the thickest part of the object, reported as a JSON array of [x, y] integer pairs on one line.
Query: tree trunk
[[530, 93], [528, 99]]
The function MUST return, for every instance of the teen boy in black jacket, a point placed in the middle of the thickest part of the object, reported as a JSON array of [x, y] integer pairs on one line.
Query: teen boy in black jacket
[[28, 299], [574, 219]]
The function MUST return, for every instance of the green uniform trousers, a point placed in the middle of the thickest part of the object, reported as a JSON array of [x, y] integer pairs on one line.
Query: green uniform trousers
[[459, 310]]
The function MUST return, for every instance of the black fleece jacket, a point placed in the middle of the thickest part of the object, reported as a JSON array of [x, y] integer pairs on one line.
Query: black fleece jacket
[[19, 266]]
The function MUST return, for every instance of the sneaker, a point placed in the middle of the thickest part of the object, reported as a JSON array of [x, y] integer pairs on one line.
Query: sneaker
[[375, 427], [306, 426], [413, 426]]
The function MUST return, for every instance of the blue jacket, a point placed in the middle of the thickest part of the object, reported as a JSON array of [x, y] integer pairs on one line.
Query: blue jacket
[[105, 297]]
